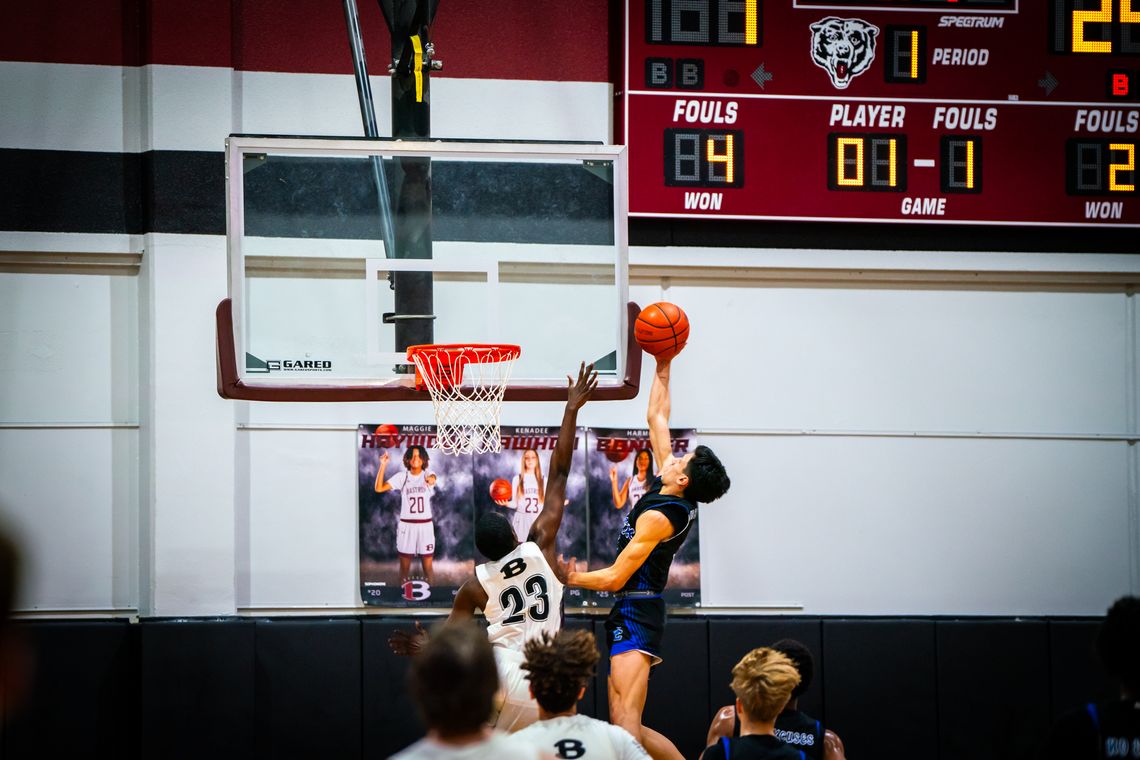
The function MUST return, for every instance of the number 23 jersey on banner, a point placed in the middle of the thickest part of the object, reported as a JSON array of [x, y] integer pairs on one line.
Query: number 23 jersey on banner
[[524, 597]]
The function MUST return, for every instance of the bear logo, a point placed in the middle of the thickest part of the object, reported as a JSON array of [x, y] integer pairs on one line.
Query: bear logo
[[843, 47]]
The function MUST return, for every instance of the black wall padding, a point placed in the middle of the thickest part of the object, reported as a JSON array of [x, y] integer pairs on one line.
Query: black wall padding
[[390, 719], [197, 687], [84, 697], [308, 699], [879, 687], [1076, 673], [993, 689], [730, 639]]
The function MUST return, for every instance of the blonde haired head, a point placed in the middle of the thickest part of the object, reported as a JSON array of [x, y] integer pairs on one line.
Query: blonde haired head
[[763, 681]]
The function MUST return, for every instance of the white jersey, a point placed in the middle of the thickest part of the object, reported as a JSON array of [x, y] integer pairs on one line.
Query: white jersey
[[581, 736], [495, 747], [637, 489], [415, 494], [527, 505], [524, 597]]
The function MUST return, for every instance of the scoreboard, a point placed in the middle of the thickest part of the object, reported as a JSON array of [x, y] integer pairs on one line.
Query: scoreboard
[[1021, 112]]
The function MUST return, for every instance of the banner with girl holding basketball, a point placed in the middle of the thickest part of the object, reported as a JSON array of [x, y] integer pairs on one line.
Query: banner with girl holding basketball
[[512, 482]]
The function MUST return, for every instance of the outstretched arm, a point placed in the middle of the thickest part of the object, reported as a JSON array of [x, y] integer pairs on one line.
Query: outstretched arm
[[652, 528], [658, 415], [545, 528], [381, 486], [469, 598], [620, 494]]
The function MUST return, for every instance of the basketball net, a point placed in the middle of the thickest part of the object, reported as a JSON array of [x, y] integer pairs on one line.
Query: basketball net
[[466, 384]]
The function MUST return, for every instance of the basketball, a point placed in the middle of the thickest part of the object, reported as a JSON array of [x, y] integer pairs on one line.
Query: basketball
[[615, 456], [501, 490], [662, 330], [387, 434]]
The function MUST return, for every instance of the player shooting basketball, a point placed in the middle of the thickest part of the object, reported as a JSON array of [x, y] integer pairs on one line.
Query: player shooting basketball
[[416, 532], [650, 536], [529, 491], [518, 590]]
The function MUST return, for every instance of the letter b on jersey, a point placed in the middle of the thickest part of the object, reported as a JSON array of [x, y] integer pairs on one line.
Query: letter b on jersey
[[568, 749], [513, 568]]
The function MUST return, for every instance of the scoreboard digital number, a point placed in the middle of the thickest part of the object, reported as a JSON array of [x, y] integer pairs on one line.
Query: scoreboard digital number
[[1022, 112]]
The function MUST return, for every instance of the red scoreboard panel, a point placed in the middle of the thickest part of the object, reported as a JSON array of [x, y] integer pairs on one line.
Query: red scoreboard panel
[[1020, 112]]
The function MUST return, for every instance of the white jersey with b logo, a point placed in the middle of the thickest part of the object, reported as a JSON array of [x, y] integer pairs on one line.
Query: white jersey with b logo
[[524, 597], [415, 494], [580, 736], [527, 505]]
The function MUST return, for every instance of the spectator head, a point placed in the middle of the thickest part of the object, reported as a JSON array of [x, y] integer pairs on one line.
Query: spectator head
[[1118, 643], [801, 657], [560, 667], [763, 681], [454, 680]]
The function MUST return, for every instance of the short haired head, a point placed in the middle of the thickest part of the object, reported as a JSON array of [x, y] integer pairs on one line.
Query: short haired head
[[494, 536], [708, 480], [559, 667], [763, 681], [453, 680], [408, 456], [1116, 643], [801, 657]]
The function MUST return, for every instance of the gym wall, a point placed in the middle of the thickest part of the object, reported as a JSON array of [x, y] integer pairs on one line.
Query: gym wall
[[926, 431]]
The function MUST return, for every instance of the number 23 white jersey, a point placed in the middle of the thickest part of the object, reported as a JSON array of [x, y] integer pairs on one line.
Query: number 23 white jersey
[[524, 597]]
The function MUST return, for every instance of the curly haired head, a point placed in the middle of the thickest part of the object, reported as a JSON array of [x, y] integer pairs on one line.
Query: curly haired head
[[763, 681], [559, 667]]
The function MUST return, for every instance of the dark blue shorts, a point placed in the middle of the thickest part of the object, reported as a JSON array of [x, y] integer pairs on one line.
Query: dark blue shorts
[[636, 624]]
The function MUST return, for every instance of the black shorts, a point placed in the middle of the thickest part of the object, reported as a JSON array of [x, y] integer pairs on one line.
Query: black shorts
[[636, 624]]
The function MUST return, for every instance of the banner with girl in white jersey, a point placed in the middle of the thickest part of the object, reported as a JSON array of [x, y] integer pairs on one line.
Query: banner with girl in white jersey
[[512, 482], [417, 541], [620, 469]]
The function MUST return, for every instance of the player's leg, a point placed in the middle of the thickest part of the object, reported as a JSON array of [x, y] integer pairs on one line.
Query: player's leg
[[628, 687], [426, 550], [406, 547]]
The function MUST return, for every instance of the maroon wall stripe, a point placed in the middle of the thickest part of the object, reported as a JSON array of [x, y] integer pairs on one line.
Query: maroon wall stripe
[[486, 39]]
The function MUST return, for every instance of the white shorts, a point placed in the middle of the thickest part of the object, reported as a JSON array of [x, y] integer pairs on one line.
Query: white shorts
[[415, 538], [521, 522], [518, 709]]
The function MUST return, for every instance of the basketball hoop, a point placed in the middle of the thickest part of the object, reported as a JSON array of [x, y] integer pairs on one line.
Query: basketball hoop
[[466, 383]]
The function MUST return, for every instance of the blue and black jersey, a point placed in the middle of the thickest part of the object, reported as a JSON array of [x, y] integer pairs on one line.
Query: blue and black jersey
[[1097, 731], [654, 572], [797, 729], [752, 747]]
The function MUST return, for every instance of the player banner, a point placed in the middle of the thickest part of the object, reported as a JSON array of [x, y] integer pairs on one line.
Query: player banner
[[417, 542], [513, 482], [620, 468], [418, 507]]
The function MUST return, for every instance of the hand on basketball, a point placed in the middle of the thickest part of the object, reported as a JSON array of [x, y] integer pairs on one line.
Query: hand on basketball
[[580, 389], [503, 502], [407, 644]]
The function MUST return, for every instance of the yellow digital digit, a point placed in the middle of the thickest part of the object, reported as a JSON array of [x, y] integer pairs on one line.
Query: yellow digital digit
[[1120, 187], [1080, 18], [970, 164], [914, 55], [841, 157], [750, 37], [716, 158], [1127, 15]]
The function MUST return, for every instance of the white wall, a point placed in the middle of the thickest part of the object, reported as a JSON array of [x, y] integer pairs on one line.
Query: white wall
[[897, 450]]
